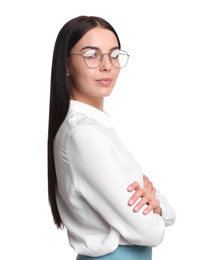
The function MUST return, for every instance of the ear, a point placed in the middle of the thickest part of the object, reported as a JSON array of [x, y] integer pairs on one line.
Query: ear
[[68, 73]]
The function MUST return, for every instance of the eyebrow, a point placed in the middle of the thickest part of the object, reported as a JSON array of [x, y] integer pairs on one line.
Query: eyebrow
[[98, 49]]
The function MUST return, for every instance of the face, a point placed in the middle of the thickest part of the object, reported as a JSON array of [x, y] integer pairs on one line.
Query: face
[[88, 84]]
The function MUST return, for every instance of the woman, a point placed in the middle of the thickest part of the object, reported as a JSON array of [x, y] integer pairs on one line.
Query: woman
[[89, 169]]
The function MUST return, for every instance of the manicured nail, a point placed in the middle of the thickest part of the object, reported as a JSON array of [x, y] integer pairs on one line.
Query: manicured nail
[[136, 208], [131, 202], [145, 212], [129, 188]]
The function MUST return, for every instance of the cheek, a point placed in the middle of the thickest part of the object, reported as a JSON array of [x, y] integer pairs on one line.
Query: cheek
[[82, 78], [77, 72], [116, 73]]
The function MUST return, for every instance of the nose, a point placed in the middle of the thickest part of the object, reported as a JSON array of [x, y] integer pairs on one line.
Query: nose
[[106, 64]]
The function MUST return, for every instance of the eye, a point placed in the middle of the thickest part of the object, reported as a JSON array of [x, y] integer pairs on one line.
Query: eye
[[115, 54], [89, 54]]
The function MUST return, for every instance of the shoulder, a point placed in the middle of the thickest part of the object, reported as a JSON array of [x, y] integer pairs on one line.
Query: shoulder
[[79, 129], [75, 122], [86, 136]]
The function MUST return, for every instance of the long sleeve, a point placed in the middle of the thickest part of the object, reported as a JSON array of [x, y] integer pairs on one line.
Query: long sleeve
[[168, 213], [93, 170], [101, 181]]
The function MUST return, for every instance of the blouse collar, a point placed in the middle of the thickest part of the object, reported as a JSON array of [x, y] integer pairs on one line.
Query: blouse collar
[[91, 112]]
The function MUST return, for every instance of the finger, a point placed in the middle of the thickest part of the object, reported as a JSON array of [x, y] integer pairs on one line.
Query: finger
[[145, 181], [133, 186], [136, 196], [150, 187], [141, 203], [152, 205], [148, 209]]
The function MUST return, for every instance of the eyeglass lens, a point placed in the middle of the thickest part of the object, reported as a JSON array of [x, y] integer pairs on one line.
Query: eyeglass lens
[[118, 58]]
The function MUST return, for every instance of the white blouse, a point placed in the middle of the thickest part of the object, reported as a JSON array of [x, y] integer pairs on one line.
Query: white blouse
[[93, 171]]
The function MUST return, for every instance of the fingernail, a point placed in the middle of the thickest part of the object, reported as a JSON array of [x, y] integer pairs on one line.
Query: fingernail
[[131, 202], [136, 208], [129, 188], [145, 212]]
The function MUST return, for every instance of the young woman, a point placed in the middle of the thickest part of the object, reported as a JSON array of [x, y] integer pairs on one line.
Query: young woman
[[90, 172]]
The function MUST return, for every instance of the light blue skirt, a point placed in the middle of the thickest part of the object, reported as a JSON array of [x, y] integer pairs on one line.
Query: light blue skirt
[[124, 253]]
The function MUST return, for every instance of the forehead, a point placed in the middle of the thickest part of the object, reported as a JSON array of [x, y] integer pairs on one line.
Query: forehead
[[102, 38]]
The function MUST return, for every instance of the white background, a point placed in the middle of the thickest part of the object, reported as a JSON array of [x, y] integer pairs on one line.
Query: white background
[[167, 85]]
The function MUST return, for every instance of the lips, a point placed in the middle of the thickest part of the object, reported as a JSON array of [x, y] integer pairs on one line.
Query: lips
[[105, 81]]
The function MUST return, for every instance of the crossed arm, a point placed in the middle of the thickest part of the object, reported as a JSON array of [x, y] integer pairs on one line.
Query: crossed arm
[[93, 181], [147, 195], [154, 199]]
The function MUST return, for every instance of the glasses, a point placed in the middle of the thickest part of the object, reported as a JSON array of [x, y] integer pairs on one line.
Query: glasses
[[94, 58]]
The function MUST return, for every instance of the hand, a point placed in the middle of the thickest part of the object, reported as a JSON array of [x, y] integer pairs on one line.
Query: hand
[[148, 197]]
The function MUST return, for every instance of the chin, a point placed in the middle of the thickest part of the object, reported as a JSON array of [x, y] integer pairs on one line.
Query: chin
[[105, 92]]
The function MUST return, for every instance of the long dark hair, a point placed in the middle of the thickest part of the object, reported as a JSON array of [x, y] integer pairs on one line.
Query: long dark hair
[[68, 36]]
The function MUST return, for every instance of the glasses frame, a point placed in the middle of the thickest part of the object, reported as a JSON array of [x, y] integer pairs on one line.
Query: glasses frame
[[102, 57]]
